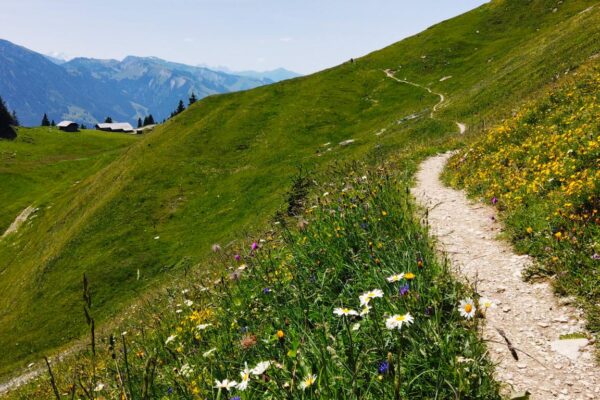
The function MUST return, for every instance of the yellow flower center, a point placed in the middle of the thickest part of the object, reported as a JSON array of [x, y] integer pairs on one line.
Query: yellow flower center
[[400, 318], [468, 308]]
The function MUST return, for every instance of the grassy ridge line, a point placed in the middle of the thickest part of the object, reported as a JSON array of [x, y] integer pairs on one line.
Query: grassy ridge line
[[43, 161], [497, 55], [223, 166], [541, 168], [276, 303]]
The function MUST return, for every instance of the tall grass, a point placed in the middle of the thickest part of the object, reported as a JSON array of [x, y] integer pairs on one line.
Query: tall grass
[[276, 305]]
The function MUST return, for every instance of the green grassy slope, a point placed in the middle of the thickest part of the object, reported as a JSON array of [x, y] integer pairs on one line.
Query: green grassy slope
[[223, 167], [44, 161]]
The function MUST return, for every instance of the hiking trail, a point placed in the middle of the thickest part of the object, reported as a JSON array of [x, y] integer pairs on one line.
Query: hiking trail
[[529, 315], [390, 74]]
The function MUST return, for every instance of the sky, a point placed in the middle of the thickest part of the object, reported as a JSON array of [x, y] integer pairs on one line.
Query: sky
[[301, 35]]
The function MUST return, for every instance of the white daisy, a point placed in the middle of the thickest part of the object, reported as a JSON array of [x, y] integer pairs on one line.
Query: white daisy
[[486, 303], [225, 384], [395, 278], [308, 381], [467, 308], [365, 310], [344, 312], [245, 374], [365, 298], [396, 321], [260, 368], [188, 303]]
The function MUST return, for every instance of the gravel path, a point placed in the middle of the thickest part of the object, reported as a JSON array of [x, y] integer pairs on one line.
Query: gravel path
[[531, 317], [20, 380]]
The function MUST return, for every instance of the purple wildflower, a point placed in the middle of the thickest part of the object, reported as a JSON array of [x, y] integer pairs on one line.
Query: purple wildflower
[[494, 200], [596, 256], [237, 257], [236, 398], [254, 246], [404, 290], [383, 367], [170, 390], [267, 290]]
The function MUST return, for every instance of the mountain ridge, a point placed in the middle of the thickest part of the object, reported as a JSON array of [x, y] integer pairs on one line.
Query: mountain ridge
[[86, 90]]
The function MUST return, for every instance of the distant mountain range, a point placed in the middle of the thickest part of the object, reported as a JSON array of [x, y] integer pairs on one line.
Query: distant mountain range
[[276, 75], [87, 90]]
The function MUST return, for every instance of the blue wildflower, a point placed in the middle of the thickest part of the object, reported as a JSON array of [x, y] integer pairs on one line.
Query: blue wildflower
[[404, 290], [383, 368], [267, 290]]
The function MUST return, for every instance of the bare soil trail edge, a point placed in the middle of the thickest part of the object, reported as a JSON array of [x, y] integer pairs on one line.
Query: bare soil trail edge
[[530, 316]]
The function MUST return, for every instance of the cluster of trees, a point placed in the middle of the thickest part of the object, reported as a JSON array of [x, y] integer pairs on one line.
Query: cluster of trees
[[149, 120], [181, 107], [7, 121], [46, 121]]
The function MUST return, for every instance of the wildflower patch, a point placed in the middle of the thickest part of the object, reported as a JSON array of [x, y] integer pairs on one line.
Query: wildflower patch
[[541, 169]]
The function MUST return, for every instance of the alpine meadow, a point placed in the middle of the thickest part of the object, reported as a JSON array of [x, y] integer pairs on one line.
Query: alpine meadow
[[269, 236]]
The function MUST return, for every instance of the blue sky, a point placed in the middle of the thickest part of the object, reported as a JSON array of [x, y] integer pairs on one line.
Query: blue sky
[[301, 35]]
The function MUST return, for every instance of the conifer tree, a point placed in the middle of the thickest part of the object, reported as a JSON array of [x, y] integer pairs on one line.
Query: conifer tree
[[6, 130], [108, 120], [53, 123], [140, 122], [45, 120], [82, 126], [180, 108], [150, 120], [15, 119], [193, 98]]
